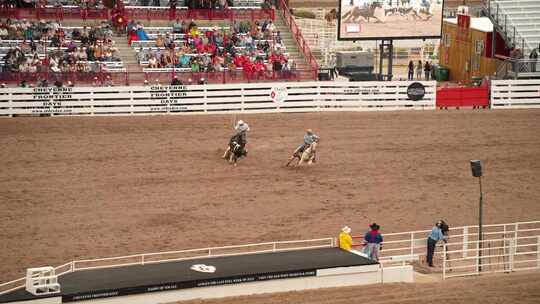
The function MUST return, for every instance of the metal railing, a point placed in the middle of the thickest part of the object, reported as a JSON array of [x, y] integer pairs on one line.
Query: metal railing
[[414, 242], [297, 34], [512, 249], [396, 244], [499, 17], [515, 68], [180, 255], [121, 78]]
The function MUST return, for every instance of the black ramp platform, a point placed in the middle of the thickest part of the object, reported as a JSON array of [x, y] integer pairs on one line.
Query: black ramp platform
[[108, 282]]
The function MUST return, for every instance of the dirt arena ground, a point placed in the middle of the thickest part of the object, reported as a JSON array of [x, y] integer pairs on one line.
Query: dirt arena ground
[[82, 187]]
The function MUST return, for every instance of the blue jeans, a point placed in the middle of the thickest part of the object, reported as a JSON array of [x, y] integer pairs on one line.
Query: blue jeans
[[430, 250]]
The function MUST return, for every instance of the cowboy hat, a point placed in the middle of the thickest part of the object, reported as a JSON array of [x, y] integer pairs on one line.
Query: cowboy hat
[[374, 226], [346, 229]]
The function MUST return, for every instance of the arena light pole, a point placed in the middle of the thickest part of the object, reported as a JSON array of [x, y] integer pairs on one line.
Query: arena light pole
[[476, 168]]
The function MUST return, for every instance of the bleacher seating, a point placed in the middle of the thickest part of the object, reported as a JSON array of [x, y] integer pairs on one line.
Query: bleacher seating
[[155, 4], [524, 15], [238, 54], [246, 47], [42, 46]]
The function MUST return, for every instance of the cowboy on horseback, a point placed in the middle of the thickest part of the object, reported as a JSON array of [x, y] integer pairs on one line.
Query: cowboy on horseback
[[241, 130], [237, 143], [309, 138]]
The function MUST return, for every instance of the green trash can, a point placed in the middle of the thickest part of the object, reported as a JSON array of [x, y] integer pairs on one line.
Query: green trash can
[[476, 81], [443, 74]]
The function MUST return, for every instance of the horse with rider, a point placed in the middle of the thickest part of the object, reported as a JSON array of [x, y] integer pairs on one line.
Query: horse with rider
[[237, 144], [306, 152]]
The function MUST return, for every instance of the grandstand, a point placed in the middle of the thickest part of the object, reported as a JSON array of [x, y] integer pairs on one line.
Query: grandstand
[[518, 20], [240, 41]]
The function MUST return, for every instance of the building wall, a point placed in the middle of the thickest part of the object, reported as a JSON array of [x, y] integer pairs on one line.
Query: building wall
[[458, 53]]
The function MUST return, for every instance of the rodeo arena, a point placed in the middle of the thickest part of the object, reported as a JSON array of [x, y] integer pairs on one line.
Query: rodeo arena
[[269, 151]]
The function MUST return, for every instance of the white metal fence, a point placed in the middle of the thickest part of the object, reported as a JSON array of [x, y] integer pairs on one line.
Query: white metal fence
[[206, 99], [515, 94], [180, 255], [506, 247]]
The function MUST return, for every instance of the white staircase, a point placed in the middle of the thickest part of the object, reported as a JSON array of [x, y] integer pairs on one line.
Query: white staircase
[[42, 281], [519, 19]]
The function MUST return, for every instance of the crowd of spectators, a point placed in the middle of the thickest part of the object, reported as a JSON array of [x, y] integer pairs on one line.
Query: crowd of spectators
[[29, 46], [251, 47], [98, 4]]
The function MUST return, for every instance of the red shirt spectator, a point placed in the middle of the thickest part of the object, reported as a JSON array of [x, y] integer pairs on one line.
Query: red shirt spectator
[[239, 60], [211, 48], [248, 67], [260, 67]]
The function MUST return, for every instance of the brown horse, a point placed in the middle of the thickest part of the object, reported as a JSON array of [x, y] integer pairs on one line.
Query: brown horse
[[365, 12], [331, 16]]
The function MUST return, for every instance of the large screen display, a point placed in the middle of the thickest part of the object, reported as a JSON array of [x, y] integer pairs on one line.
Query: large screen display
[[389, 19]]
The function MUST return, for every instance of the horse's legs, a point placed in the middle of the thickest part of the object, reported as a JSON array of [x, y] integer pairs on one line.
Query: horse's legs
[[226, 153]]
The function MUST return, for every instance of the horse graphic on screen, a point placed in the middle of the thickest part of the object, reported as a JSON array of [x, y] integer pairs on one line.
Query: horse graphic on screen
[[366, 12], [418, 9]]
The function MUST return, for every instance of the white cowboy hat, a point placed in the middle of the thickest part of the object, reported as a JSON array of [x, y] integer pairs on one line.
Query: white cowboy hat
[[346, 229], [240, 122]]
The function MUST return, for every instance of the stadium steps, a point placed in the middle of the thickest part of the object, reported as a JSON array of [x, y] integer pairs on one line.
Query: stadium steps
[[290, 43], [127, 54], [524, 16]]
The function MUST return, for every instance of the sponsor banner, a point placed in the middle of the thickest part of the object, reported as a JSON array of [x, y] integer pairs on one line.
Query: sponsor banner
[[279, 94], [416, 91], [92, 295], [170, 98]]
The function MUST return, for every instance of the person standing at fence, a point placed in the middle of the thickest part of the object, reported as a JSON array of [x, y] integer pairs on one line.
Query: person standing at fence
[[419, 69], [445, 229], [434, 236], [410, 74], [427, 70], [345, 239], [372, 242], [534, 57]]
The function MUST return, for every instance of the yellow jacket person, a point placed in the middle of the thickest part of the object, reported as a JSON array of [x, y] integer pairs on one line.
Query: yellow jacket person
[[345, 239]]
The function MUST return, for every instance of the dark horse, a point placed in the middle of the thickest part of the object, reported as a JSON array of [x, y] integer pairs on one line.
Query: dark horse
[[365, 12], [236, 149]]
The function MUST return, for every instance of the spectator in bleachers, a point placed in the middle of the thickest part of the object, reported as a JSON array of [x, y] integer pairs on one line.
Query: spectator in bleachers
[[176, 81], [177, 26], [108, 81], [141, 33], [533, 56], [247, 46]]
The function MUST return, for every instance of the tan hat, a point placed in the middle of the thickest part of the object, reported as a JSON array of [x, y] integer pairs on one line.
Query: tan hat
[[346, 229]]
